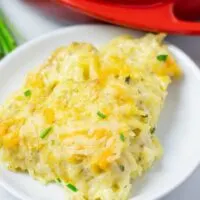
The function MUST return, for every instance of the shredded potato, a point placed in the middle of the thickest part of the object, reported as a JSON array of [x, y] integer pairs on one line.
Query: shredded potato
[[87, 117]]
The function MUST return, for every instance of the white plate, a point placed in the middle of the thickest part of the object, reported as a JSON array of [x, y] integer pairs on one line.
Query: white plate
[[179, 126]]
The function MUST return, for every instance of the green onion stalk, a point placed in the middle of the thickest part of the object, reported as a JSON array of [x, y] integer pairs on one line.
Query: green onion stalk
[[7, 41]]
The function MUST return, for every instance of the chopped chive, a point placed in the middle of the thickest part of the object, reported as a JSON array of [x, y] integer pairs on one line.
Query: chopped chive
[[145, 116], [152, 130], [127, 79], [122, 168], [58, 180], [101, 115], [162, 57], [72, 187], [27, 93], [122, 138], [52, 142], [45, 132]]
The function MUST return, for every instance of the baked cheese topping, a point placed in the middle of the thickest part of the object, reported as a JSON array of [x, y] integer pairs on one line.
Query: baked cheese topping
[[87, 117]]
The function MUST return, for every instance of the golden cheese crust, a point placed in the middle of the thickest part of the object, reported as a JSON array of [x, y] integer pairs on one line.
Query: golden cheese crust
[[87, 117]]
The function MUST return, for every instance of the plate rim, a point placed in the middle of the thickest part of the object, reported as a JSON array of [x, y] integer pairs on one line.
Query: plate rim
[[173, 48]]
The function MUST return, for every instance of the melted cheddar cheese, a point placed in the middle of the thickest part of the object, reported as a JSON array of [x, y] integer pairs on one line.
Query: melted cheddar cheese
[[87, 117]]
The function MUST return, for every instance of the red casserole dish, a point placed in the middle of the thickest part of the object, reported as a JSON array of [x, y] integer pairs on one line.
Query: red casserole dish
[[152, 15]]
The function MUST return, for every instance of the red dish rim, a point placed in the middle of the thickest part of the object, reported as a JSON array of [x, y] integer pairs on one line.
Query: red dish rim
[[134, 17]]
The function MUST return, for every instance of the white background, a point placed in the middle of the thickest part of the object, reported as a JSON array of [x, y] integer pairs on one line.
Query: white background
[[30, 20]]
